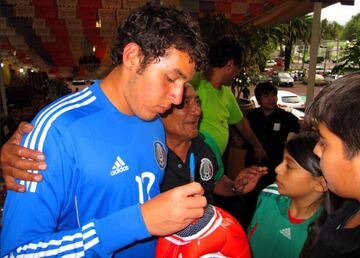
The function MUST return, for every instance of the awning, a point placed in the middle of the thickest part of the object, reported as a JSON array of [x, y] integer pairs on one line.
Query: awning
[[54, 35]]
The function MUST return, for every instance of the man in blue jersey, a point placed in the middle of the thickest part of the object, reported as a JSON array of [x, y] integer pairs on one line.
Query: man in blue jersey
[[182, 138], [106, 154]]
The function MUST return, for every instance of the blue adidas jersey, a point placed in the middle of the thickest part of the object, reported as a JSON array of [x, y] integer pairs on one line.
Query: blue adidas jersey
[[102, 165]]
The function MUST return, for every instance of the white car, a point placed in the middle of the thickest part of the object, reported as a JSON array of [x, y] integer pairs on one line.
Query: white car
[[319, 80], [289, 101], [332, 77], [270, 63]]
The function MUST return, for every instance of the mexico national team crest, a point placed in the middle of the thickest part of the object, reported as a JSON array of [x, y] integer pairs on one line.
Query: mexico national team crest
[[206, 169], [160, 154]]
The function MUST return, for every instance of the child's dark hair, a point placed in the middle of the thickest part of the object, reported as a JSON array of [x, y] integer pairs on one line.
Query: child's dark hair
[[263, 88], [337, 106], [301, 147], [156, 28], [224, 50]]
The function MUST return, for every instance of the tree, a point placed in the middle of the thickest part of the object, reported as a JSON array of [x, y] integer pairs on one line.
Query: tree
[[330, 30], [351, 59], [257, 43], [214, 27], [352, 28], [290, 32]]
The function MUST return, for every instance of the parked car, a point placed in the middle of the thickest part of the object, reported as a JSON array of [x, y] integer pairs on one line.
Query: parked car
[[283, 79], [270, 63], [260, 77], [286, 99], [319, 80], [329, 78], [296, 112]]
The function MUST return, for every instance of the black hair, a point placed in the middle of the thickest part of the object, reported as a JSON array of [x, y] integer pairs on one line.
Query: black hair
[[301, 147], [224, 50], [156, 28], [263, 88], [337, 106]]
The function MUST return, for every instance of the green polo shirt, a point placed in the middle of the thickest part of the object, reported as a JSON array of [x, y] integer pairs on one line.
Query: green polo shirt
[[219, 108]]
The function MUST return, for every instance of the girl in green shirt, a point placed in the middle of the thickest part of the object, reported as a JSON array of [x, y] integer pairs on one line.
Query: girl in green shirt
[[285, 209]]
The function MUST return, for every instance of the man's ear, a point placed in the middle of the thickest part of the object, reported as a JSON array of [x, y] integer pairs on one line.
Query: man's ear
[[132, 56], [321, 185]]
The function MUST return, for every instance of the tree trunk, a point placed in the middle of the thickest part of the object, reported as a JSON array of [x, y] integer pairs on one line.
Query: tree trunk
[[304, 54], [288, 50], [261, 68]]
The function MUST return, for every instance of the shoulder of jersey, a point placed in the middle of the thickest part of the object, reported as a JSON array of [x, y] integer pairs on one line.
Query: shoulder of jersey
[[271, 190]]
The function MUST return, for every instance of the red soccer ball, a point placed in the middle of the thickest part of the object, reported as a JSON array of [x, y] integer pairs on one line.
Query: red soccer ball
[[216, 234]]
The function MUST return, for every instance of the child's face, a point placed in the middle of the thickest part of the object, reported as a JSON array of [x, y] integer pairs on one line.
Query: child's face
[[269, 100], [341, 173], [293, 180]]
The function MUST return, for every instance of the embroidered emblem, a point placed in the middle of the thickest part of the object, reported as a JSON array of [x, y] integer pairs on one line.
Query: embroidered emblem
[[206, 169], [160, 156]]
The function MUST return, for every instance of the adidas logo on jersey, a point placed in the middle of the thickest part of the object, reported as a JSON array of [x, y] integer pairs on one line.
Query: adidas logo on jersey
[[286, 232], [119, 166]]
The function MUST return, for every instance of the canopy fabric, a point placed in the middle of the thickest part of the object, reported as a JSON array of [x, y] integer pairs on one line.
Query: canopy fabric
[[53, 35]]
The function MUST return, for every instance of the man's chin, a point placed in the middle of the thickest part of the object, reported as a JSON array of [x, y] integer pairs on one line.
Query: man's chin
[[269, 108], [148, 116], [195, 134]]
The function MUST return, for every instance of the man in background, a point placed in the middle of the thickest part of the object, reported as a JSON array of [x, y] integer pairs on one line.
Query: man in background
[[218, 104]]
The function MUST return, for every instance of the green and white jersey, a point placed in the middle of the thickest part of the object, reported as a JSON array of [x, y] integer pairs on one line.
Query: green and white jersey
[[271, 233]]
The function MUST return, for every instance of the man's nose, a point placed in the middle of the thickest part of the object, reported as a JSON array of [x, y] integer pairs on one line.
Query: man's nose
[[197, 109], [176, 93]]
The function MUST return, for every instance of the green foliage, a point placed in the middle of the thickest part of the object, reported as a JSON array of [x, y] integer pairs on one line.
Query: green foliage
[[257, 43], [330, 30], [215, 27], [352, 28], [351, 59], [297, 29]]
